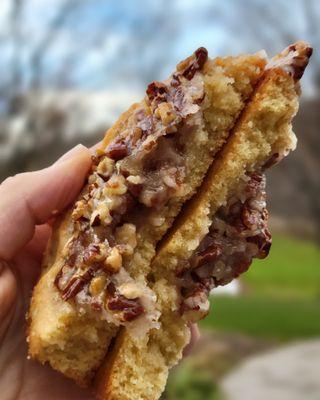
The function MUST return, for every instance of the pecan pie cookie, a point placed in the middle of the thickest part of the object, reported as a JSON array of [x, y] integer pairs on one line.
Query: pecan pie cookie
[[123, 274]]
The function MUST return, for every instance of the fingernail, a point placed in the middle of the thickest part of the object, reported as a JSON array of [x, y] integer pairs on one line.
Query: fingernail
[[72, 153]]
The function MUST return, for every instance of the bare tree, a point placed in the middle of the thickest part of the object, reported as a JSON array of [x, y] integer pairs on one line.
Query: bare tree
[[25, 74], [146, 36], [310, 10], [16, 67], [15, 106], [38, 53], [303, 167], [10, 87]]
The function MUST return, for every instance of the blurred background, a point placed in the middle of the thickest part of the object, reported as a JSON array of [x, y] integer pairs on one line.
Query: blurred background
[[70, 67]]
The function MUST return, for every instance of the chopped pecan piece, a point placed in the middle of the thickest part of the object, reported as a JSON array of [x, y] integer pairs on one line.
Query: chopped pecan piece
[[299, 63], [97, 157], [210, 254], [146, 125], [76, 284], [101, 216], [130, 290], [126, 236], [175, 81], [165, 113], [250, 217], [274, 159], [105, 168], [178, 99], [136, 136], [80, 211], [200, 57], [134, 185], [117, 150], [91, 253], [263, 241], [253, 187], [114, 261], [116, 185], [196, 304], [157, 91], [131, 308], [96, 305], [97, 285]]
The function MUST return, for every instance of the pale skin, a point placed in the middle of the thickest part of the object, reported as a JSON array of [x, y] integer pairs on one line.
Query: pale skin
[[28, 204]]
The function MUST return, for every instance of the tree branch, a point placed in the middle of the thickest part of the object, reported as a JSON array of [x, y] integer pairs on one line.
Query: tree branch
[[47, 41]]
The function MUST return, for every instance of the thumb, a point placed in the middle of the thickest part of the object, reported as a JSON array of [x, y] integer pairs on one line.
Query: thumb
[[32, 198]]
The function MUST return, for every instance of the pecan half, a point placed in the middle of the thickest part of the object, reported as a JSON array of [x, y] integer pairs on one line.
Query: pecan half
[[175, 81], [263, 241], [91, 252], [210, 254]]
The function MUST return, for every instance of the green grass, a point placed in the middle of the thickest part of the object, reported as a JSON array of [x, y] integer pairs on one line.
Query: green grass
[[265, 317], [291, 270], [185, 383]]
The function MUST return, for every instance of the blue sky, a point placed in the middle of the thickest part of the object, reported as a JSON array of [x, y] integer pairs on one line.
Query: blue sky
[[109, 44]]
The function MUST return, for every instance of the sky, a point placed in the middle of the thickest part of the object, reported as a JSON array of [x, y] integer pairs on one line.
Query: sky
[[108, 44]]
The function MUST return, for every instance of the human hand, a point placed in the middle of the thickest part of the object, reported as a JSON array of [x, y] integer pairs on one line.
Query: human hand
[[28, 202]]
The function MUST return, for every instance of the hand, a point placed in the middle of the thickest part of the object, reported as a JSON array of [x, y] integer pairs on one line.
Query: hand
[[27, 202]]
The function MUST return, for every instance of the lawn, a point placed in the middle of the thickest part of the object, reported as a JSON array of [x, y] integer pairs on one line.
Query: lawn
[[265, 317], [292, 269]]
